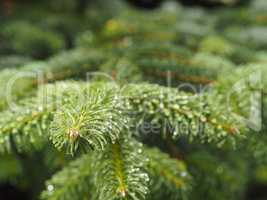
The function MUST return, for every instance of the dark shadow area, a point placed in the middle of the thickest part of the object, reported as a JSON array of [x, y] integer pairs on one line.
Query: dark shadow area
[[146, 4], [9, 192], [257, 191]]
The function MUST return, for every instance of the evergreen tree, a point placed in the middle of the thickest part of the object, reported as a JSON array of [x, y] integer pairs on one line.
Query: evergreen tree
[[168, 103]]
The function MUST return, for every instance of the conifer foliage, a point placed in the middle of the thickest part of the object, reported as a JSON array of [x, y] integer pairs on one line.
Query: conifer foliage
[[168, 103]]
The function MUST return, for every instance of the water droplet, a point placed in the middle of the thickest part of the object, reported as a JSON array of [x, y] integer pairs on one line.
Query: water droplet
[[183, 174], [50, 188]]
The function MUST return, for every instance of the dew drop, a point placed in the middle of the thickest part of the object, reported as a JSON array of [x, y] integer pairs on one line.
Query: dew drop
[[50, 188], [183, 174]]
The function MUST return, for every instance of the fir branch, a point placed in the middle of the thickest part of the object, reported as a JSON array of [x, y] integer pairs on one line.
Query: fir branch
[[34, 118], [202, 115], [246, 88], [165, 172], [94, 121], [122, 174], [74, 182], [28, 122], [94, 116], [201, 68], [26, 125], [69, 64]]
